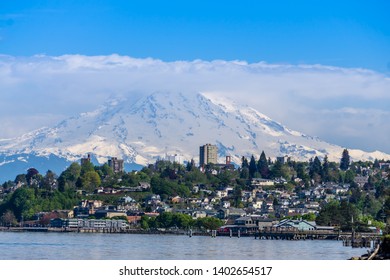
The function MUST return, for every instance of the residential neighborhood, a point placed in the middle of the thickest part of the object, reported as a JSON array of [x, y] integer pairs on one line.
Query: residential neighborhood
[[256, 195]]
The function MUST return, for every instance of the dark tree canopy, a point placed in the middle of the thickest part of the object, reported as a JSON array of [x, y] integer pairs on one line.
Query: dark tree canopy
[[345, 160]]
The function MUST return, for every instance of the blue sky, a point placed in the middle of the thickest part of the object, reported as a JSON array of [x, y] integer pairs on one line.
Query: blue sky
[[319, 67], [339, 33]]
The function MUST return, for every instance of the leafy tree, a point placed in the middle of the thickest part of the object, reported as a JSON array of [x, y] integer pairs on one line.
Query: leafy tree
[[338, 213], [21, 178], [8, 218], [349, 176], [87, 166], [309, 217], [69, 177], [285, 171], [32, 174], [166, 187], [23, 203], [90, 180], [345, 160], [49, 182], [183, 221], [209, 223], [107, 170], [276, 170], [145, 220], [165, 220], [301, 171]]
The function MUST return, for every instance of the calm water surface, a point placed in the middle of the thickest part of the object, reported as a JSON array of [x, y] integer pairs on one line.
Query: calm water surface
[[95, 246]]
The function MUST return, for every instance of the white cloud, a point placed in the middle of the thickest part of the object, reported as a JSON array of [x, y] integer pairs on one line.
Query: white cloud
[[350, 107]]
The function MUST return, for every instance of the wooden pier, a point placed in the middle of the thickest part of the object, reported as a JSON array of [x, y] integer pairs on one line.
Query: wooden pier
[[361, 239]]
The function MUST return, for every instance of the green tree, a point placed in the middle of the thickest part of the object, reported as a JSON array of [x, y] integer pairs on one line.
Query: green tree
[[145, 222], [252, 167], [183, 221], [325, 170], [276, 170], [87, 166], [8, 218], [90, 180], [21, 178], [349, 176], [69, 177], [262, 166], [301, 171], [165, 220], [244, 162], [315, 169], [107, 170], [209, 223], [23, 203], [49, 182], [345, 160]]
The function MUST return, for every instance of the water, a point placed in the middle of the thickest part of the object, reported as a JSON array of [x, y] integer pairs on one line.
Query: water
[[95, 246]]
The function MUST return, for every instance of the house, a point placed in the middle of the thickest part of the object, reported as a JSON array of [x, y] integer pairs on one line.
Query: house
[[199, 214], [109, 190], [144, 186], [153, 199], [246, 220], [384, 165], [231, 213], [296, 224], [225, 204], [256, 204], [106, 213], [177, 199], [259, 182], [263, 222], [221, 194], [126, 200], [133, 219], [361, 180]]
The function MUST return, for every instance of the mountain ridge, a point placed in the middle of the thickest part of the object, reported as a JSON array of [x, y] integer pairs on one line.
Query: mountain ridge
[[170, 123]]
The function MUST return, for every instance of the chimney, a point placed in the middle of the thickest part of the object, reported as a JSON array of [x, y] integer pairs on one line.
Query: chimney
[[228, 160]]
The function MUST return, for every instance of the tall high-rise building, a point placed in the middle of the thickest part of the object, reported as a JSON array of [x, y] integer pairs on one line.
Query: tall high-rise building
[[116, 164], [208, 154]]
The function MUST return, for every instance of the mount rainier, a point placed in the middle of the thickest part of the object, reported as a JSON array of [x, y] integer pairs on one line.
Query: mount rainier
[[159, 124]]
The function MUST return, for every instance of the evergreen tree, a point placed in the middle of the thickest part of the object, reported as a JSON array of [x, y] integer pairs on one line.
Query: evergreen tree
[[325, 170], [276, 170], [315, 169], [252, 167], [244, 163], [190, 165], [301, 172], [345, 160], [262, 166]]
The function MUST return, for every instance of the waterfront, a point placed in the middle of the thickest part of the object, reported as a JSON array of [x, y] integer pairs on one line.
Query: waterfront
[[95, 246]]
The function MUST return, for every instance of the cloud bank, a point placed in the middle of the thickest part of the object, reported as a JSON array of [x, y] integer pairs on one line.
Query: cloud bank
[[344, 106]]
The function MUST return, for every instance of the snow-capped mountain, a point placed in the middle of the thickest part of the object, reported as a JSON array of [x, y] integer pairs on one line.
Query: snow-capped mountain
[[160, 124]]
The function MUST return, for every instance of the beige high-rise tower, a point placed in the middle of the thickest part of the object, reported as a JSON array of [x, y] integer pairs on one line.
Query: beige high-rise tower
[[208, 154]]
